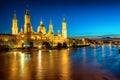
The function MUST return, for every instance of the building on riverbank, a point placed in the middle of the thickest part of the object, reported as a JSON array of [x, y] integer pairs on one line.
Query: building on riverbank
[[28, 35]]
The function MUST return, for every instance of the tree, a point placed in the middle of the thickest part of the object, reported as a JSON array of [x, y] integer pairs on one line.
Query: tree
[[59, 45], [64, 45]]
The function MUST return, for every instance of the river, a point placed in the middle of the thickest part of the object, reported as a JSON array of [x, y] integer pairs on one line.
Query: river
[[87, 63]]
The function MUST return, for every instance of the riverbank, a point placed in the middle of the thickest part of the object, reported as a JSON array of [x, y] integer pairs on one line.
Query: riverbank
[[34, 49], [55, 47], [4, 48]]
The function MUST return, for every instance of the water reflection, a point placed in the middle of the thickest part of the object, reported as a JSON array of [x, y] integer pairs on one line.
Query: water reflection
[[65, 64], [14, 69], [22, 63], [39, 65], [39, 56], [15, 54], [94, 54], [84, 54], [103, 47], [110, 47]]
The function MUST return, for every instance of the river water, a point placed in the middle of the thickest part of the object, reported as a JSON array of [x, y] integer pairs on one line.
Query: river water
[[87, 63]]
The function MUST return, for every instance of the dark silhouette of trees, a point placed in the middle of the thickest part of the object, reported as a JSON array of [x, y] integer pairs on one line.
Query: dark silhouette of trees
[[64, 45], [59, 45], [46, 45], [73, 45]]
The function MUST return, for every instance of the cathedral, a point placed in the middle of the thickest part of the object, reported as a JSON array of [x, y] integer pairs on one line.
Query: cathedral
[[28, 35]]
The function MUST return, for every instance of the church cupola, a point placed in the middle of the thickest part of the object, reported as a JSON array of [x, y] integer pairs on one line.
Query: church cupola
[[41, 22], [41, 28], [58, 34], [21, 30]]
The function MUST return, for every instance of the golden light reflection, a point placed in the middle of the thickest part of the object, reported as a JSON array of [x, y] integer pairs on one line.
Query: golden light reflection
[[52, 63], [65, 65], [39, 47], [22, 62], [13, 66], [15, 53], [39, 56], [39, 65]]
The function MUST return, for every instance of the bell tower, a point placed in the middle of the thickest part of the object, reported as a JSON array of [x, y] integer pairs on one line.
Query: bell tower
[[64, 29], [14, 25], [27, 25]]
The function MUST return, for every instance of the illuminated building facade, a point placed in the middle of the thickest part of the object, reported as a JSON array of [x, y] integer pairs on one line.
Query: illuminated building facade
[[14, 25], [27, 34]]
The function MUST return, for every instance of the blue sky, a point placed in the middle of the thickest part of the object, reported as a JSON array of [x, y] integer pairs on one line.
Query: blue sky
[[84, 17]]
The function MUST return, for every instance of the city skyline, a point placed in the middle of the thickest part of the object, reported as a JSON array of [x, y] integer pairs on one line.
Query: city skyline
[[83, 17]]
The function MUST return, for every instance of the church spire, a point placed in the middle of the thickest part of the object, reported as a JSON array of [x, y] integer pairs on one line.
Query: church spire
[[50, 28], [21, 30], [27, 12], [14, 15], [64, 20], [50, 21], [58, 31], [41, 22]]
